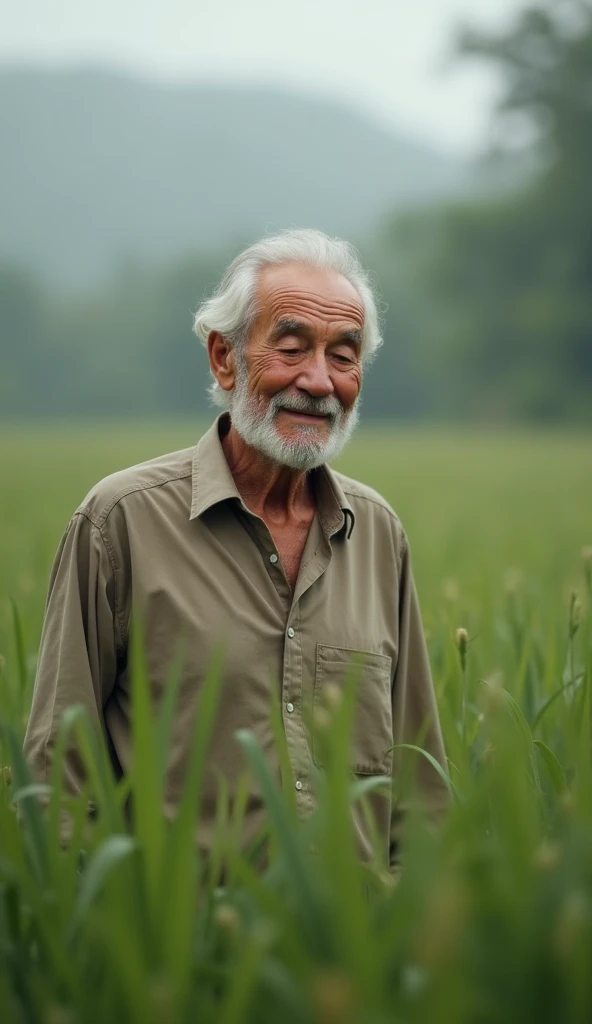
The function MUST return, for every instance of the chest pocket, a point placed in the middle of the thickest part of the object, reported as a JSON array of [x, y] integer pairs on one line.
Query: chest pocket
[[372, 732]]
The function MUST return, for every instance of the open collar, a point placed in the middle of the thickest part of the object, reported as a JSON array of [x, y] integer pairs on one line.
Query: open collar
[[212, 482]]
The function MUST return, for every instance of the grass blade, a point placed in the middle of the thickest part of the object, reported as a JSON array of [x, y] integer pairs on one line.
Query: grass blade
[[553, 766], [110, 853]]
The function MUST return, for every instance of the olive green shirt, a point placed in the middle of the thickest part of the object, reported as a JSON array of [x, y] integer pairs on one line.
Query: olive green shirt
[[173, 538]]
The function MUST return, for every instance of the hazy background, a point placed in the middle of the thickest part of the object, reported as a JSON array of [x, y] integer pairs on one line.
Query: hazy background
[[144, 143]]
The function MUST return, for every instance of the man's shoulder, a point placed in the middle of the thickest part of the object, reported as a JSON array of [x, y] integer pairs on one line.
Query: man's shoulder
[[115, 488]]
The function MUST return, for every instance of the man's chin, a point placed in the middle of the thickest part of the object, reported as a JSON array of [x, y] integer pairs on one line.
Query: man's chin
[[300, 454], [308, 447], [305, 434]]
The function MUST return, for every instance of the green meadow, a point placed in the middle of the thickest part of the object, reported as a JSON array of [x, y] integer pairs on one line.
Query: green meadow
[[491, 919]]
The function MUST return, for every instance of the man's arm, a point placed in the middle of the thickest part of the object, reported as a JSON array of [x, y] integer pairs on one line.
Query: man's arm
[[415, 714], [80, 644]]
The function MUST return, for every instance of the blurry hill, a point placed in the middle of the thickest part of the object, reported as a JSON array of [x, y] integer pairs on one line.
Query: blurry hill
[[98, 167], [122, 201]]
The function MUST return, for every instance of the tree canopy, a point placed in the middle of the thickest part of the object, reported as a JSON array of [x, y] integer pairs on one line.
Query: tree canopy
[[488, 301], [509, 281]]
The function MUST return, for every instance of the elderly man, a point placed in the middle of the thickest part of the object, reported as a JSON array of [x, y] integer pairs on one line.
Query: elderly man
[[249, 542]]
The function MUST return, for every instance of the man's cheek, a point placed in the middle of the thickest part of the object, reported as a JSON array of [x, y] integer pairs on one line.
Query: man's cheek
[[349, 391]]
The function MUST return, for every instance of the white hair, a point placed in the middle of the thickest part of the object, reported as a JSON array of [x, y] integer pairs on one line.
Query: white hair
[[232, 309]]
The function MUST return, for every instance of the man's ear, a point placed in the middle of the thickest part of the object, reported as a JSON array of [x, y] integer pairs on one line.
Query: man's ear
[[221, 358]]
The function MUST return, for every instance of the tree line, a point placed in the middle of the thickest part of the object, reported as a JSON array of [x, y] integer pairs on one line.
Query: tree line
[[487, 303]]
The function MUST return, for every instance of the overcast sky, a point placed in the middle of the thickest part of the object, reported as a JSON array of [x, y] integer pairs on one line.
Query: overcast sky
[[385, 56]]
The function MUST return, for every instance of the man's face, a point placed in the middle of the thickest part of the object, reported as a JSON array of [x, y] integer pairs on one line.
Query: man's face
[[299, 376]]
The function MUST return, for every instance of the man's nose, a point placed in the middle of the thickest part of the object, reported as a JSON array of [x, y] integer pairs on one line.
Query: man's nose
[[314, 376]]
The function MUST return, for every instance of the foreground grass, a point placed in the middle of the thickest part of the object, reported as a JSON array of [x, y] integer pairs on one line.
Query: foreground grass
[[492, 918]]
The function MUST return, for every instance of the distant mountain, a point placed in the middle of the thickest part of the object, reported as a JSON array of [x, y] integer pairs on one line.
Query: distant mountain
[[97, 167]]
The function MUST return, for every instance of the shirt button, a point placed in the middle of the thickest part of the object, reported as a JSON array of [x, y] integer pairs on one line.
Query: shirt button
[[289, 706], [290, 632], [273, 558], [298, 784]]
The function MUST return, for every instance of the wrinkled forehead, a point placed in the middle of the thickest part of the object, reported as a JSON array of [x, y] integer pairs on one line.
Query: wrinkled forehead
[[291, 290]]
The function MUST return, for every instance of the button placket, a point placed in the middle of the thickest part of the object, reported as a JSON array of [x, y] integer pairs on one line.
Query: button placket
[[292, 684]]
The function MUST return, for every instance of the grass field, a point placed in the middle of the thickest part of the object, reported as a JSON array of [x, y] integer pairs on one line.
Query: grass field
[[492, 920], [486, 513]]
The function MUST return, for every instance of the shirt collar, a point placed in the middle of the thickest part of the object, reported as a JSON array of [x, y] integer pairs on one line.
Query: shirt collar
[[212, 482]]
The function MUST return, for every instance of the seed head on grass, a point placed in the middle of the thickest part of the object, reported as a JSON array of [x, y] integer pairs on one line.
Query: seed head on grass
[[547, 857], [445, 924], [513, 580], [332, 696], [7, 774], [488, 753], [493, 698], [227, 920], [323, 719], [450, 590], [332, 997], [567, 803], [575, 613], [573, 920], [461, 640], [462, 643], [56, 1013], [325, 712]]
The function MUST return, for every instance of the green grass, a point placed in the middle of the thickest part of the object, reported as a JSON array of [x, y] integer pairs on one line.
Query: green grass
[[492, 918]]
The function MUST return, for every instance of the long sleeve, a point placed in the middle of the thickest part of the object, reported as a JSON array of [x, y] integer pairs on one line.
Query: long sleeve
[[415, 714], [80, 644]]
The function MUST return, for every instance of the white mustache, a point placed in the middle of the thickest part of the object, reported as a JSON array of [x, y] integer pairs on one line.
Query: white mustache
[[329, 406]]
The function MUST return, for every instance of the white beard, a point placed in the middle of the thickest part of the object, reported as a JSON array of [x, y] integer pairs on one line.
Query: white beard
[[256, 425]]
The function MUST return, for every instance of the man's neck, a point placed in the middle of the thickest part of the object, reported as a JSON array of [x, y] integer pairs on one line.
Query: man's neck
[[277, 494]]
